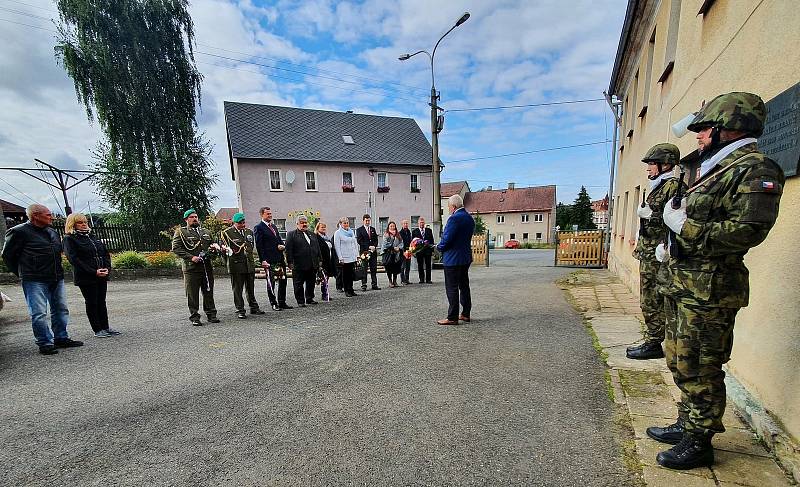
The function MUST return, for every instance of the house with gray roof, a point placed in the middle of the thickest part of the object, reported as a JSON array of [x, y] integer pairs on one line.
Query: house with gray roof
[[337, 163]]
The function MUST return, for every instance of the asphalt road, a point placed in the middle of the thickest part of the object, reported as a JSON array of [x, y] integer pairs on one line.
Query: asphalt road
[[361, 391]]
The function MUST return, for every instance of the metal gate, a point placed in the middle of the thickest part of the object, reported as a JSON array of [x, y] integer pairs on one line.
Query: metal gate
[[580, 249]]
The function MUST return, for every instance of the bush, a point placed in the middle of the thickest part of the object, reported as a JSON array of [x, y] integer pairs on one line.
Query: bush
[[162, 260], [128, 260], [65, 263]]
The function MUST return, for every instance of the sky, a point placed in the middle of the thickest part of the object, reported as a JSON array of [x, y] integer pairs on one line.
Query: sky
[[342, 56]]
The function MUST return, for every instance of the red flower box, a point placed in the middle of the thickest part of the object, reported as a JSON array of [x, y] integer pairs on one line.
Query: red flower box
[[383, 189]]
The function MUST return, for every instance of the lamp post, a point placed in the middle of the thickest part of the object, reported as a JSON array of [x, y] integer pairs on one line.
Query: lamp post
[[436, 127]]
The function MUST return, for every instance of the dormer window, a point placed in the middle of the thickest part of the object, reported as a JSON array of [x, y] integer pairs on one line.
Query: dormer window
[[348, 140]]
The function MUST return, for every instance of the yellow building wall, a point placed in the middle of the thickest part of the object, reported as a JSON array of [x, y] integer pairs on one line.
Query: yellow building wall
[[513, 224], [740, 45]]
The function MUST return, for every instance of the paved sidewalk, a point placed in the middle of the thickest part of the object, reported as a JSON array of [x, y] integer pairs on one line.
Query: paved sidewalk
[[645, 388]]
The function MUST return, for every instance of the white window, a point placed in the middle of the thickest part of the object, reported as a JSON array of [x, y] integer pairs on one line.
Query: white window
[[513, 236], [348, 140], [275, 181], [538, 217], [526, 218], [347, 179], [311, 180], [538, 235], [414, 221], [352, 220], [501, 218], [383, 224], [415, 183], [383, 180]]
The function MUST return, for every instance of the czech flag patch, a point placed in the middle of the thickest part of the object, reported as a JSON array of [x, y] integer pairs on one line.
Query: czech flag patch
[[768, 185]]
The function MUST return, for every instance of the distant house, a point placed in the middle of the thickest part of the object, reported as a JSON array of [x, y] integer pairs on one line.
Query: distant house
[[460, 188], [226, 215], [13, 213], [524, 214], [600, 213], [339, 164]]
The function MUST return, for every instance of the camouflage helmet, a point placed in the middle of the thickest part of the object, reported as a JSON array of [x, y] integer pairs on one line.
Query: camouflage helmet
[[663, 154], [741, 111]]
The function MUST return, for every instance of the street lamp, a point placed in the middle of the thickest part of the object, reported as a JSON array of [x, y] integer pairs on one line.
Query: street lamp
[[436, 127]]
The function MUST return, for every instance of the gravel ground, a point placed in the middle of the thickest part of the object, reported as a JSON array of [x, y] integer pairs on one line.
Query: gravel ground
[[360, 391]]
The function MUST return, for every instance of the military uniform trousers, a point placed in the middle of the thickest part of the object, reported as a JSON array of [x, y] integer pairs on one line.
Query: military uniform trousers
[[196, 283], [698, 342], [652, 301], [246, 282]]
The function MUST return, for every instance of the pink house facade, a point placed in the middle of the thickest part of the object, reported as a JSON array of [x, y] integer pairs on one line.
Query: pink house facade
[[338, 164]]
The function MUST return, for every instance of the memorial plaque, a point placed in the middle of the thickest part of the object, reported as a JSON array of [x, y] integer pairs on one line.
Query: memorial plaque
[[781, 137]]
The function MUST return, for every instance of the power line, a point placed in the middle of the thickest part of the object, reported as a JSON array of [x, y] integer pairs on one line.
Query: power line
[[28, 25], [19, 191], [388, 92], [507, 107], [24, 14], [377, 80], [29, 5], [528, 152]]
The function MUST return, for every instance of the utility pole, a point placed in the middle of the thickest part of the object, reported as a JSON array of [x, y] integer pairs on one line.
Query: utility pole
[[63, 178], [436, 127], [614, 105]]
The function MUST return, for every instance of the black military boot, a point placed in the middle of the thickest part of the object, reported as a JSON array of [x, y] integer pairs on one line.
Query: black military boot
[[671, 434], [645, 351], [691, 452]]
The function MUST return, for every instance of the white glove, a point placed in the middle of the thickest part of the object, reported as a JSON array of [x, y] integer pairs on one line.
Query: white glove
[[661, 253], [645, 212], [675, 219]]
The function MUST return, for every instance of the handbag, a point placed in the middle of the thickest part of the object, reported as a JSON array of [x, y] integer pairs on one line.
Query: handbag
[[359, 271]]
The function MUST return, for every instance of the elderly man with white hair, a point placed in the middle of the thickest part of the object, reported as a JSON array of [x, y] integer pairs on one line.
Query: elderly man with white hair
[[32, 252], [456, 248], [303, 258]]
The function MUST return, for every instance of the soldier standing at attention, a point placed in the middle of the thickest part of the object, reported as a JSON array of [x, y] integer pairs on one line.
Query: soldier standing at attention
[[729, 209], [660, 160], [191, 244], [241, 266]]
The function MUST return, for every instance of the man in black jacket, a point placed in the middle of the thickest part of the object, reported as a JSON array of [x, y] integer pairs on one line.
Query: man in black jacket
[[303, 257], [270, 247], [32, 252], [367, 239], [405, 234], [424, 257]]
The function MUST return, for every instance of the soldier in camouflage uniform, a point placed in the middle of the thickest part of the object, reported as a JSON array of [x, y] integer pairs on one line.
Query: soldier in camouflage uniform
[[191, 243], [660, 160], [729, 209], [241, 266]]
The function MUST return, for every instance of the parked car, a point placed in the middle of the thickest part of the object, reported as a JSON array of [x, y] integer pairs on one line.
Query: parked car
[[513, 244]]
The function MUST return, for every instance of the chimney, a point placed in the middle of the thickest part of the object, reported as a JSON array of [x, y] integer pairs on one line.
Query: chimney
[[510, 185]]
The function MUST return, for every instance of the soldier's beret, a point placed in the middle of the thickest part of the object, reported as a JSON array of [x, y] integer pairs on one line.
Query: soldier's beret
[[188, 212], [238, 218]]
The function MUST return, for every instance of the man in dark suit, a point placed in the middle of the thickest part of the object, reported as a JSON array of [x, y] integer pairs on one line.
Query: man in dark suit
[[456, 248], [303, 257], [269, 245], [424, 257], [405, 234], [367, 239]]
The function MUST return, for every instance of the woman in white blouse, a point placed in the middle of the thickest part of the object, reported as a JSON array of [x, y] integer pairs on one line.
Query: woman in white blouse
[[344, 240]]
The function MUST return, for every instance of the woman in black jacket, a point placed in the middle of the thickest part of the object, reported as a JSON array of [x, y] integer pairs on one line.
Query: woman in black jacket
[[328, 258], [91, 263]]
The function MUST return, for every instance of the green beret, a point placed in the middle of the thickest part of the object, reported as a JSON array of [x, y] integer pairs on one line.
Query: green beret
[[238, 218], [188, 212]]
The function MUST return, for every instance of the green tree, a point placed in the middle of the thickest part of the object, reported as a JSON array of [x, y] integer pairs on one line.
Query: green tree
[[582, 211], [133, 68], [564, 217], [480, 226]]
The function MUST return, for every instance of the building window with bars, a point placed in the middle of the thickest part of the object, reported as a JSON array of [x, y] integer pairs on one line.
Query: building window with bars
[[415, 183], [275, 180]]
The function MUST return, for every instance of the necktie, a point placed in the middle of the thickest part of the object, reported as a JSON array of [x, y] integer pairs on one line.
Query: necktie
[[271, 227]]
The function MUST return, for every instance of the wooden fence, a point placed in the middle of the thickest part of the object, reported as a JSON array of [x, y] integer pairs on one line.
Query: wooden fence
[[580, 249], [480, 249], [122, 237]]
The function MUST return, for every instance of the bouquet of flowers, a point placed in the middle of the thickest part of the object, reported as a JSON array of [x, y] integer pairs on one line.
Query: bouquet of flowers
[[416, 246], [215, 250], [364, 257]]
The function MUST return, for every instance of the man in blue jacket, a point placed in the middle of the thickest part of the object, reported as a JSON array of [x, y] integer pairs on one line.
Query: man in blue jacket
[[456, 248]]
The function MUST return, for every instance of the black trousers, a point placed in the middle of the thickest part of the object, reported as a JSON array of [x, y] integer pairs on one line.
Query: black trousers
[[424, 260], [94, 295], [303, 283], [373, 271], [339, 278], [456, 284], [281, 285], [347, 277], [405, 270]]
